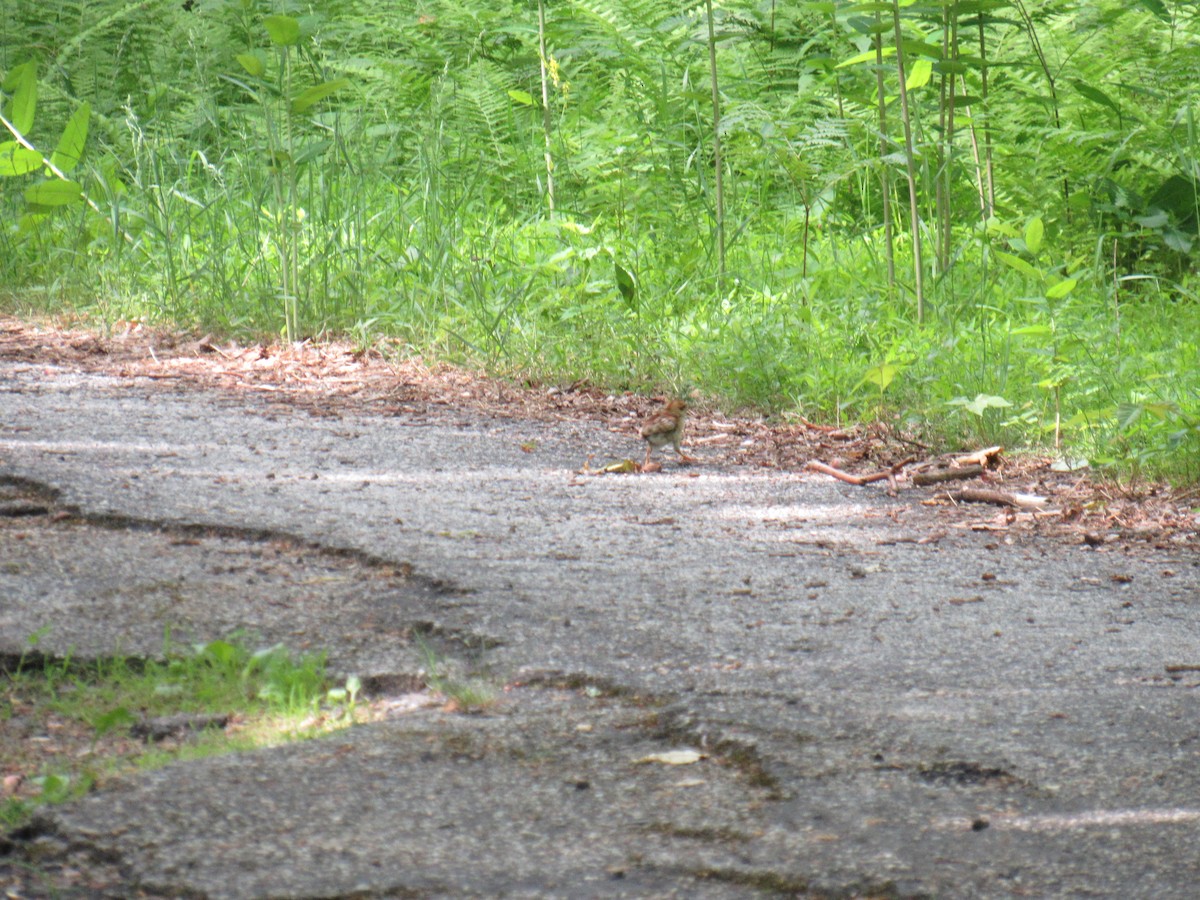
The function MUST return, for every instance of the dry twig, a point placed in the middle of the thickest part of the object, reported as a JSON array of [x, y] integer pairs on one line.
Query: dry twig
[[999, 498], [923, 479], [860, 480]]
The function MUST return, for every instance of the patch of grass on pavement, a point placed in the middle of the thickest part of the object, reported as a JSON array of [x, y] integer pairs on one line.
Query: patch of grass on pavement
[[463, 693], [66, 725]]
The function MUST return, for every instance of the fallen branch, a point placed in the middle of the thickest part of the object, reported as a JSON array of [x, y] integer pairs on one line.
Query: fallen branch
[[999, 498], [912, 443], [830, 430], [176, 726], [987, 457], [206, 345], [844, 476], [923, 479], [857, 479]]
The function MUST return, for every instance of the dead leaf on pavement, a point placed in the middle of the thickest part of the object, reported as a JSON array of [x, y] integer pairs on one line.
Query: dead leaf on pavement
[[673, 757]]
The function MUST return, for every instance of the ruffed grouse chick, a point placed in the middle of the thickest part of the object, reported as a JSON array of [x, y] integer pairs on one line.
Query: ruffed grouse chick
[[666, 427]]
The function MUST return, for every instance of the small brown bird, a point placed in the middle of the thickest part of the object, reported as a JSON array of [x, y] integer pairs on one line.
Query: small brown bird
[[666, 427]]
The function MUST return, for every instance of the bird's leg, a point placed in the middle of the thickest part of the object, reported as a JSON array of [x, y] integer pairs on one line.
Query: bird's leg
[[683, 457], [649, 450]]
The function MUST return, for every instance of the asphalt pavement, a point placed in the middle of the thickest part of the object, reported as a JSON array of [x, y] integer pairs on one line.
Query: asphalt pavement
[[870, 702]]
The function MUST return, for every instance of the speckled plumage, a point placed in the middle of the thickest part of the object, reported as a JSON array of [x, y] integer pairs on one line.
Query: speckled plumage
[[665, 427]]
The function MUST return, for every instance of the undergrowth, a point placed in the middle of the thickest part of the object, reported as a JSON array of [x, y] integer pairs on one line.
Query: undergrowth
[[343, 172]]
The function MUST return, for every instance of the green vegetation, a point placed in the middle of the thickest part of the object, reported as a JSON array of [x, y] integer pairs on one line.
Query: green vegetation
[[467, 693], [67, 725], [973, 218]]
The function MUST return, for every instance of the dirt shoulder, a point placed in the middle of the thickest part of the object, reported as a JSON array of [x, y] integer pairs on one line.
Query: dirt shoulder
[[334, 378]]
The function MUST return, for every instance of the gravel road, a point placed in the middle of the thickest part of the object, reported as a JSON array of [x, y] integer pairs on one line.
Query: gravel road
[[884, 705]]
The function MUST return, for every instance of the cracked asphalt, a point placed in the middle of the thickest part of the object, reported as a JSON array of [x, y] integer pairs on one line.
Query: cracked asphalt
[[886, 706]]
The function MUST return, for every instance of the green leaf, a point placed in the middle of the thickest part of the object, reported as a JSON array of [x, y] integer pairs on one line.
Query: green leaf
[[1156, 219], [1095, 95], [55, 788], [1177, 196], [1032, 331], [1158, 8], [220, 652], [114, 718], [1060, 290], [1015, 262], [523, 97], [995, 226], [54, 193], [919, 73], [18, 160], [1163, 410], [951, 67], [311, 151], [69, 151], [881, 376], [31, 220], [283, 30], [263, 657], [1034, 232], [22, 84], [984, 402], [1128, 414], [1177, 240], [921, 48], [869, 56], [253, 64], [863, 25], [315, 94], [626, 285]]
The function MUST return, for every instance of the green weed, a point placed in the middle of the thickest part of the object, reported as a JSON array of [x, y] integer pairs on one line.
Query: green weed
[[68, 722], [354, 173], [467, 693]]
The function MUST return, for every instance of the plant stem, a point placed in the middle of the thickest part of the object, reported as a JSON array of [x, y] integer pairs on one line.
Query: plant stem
[[718, 184], [546, 130], [913, 207]]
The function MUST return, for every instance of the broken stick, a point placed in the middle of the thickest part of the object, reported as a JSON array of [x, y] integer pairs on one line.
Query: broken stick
[[857, 479], [999, 498], [923, 479]]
